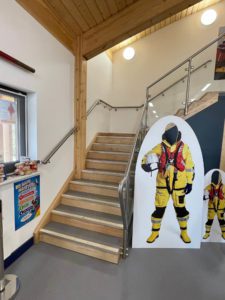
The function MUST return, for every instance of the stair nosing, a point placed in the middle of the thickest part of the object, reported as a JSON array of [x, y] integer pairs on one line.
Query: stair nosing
[[80, 241], [91, 200], [89, 219]]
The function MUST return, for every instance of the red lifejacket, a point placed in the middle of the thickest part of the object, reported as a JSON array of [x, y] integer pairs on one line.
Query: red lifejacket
[[174, 158], [216, 192]]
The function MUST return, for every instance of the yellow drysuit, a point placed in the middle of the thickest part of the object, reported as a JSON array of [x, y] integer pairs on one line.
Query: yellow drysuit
[[171, 181]]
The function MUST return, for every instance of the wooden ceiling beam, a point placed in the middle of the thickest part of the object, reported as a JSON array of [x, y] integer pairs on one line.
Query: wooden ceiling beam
[[47, 19], [131, 20]]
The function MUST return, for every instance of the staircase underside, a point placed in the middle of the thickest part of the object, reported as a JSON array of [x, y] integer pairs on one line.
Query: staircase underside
[[86, 217]]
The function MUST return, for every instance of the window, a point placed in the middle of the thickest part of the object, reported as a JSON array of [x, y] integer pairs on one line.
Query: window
[[12, 125]]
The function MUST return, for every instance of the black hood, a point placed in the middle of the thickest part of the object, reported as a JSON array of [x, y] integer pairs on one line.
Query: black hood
[[172, 135], [215, 177]]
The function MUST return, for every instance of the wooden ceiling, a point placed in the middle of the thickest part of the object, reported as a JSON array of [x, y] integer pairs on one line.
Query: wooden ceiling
[[100, 23], [180, 15]]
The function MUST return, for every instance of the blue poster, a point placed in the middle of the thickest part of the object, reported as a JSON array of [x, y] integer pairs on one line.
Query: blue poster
[[26, 200]]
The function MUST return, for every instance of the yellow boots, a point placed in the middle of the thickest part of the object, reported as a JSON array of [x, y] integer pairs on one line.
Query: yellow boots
[[223, 231], [207, 232], [184, 235], [156, 224], [208, 229]]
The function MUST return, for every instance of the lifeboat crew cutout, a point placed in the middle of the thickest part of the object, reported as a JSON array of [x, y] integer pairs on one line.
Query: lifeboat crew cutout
[[215, 193], [173, 160]]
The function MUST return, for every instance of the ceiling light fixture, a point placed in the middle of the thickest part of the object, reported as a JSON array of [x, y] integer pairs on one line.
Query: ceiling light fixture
[[208, 17], [150, 104], [128, 53], [154, 112]]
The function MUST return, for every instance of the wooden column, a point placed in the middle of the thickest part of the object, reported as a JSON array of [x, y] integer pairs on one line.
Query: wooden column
[[80, 107]]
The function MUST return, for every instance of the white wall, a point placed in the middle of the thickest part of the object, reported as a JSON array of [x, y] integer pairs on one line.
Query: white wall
[[155, 55], [50, 105], [99, 86]]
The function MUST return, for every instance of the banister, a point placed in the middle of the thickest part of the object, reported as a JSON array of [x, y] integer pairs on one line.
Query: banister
[[106, 104], [182, 63]]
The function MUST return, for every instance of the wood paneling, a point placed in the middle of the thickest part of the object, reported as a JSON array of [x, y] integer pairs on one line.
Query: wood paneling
[[59, 9], [83, 8], [128, 22], [94, 11], [112, 6], [70, 5], [105, 23], [104, 9]]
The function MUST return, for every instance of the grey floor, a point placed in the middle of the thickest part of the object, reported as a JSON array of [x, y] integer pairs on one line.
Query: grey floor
[[47, 272]]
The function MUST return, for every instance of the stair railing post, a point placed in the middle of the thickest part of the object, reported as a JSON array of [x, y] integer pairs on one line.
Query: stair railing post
[[188, 88]]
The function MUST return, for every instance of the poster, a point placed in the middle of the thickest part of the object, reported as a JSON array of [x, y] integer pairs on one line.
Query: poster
[[220, 57], [146, 194], [216, 210], [26, 200]]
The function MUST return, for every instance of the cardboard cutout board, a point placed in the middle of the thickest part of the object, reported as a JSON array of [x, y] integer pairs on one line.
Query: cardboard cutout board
[[145, 191], [215, 232]]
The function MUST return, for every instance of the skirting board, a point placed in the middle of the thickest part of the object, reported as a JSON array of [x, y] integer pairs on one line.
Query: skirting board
[[18, 252]]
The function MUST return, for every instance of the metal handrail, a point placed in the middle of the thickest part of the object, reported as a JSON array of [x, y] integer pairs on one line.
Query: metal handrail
[[97, 102], [123, 184], [179, 80], [182, 63]]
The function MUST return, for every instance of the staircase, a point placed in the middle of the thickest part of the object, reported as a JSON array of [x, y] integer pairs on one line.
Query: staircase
[[86, 216]]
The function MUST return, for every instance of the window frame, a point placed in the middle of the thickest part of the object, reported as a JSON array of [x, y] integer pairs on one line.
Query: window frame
[[20, 96]]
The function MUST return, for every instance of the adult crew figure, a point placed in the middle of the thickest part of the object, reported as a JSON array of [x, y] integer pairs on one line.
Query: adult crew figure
[[174, 178]]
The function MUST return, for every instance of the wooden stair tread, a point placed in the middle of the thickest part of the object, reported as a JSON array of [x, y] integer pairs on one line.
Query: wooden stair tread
[[120, 134], [106, 161], [123, 148], [92, 197], [110, 152], [96, 183], [87, 237], [89, 215], [104, 172], [115, 145]]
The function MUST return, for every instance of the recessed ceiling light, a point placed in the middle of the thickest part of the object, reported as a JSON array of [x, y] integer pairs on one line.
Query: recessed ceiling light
[[150, 104], [208, 17], [156, 116], [154, 112], [128, 53]]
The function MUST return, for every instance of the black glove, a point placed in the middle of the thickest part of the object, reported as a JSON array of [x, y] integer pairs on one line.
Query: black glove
[[188, 188], [146, 167]]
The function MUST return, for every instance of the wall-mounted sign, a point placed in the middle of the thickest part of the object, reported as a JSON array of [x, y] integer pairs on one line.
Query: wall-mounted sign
[[26, 200]]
